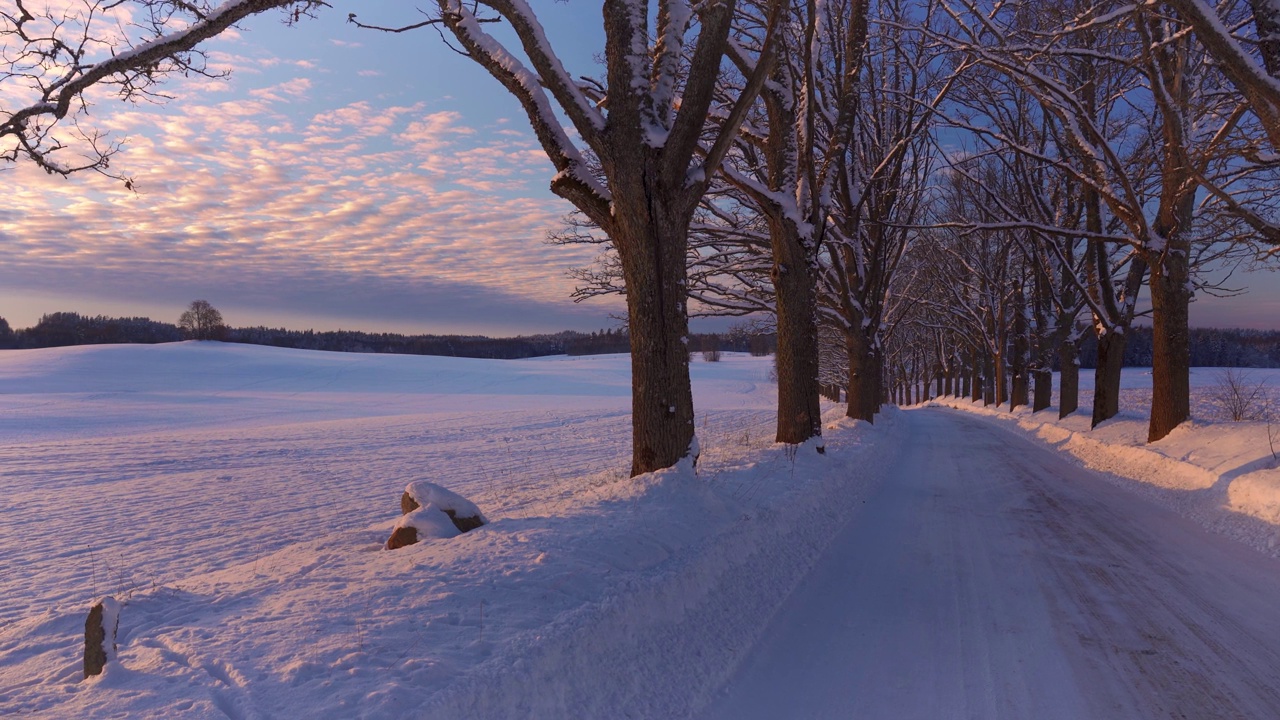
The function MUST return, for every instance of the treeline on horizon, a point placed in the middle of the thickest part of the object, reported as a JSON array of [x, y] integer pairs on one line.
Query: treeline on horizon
[[63, 329], [1210, 347]]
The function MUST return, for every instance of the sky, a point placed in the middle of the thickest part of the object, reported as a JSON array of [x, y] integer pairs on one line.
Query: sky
[[337, 178]]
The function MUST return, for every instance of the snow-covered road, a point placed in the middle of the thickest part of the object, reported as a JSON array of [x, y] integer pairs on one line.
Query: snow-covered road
[[989, 577]]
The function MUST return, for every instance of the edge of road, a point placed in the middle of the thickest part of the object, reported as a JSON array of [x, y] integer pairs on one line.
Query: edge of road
[[1234, 492]]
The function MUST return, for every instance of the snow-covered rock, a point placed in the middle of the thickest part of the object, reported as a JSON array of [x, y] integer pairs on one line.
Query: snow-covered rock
[[430, 511]]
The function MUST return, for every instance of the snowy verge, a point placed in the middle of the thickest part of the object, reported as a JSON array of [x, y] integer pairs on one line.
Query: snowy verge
[[686, 626], [1221, 474]]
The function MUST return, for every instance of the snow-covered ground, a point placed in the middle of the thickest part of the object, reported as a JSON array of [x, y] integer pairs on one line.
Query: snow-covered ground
[[237, 498], [1223, 474], [991, 577]]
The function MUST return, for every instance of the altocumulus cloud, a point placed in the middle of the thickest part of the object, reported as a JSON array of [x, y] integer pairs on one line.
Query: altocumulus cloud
[[365, 210]]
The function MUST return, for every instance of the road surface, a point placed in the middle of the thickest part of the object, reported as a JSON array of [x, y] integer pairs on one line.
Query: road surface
[[990, 577]]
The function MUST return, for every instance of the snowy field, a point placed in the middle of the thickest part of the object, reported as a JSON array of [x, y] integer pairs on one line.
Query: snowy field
[[237, 498]]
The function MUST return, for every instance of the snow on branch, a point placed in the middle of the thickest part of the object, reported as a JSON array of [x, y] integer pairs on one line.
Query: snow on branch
[[573, 179]]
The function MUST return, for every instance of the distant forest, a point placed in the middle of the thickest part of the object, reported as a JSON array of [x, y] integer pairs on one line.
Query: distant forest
[[1210, 347], [67, 328]]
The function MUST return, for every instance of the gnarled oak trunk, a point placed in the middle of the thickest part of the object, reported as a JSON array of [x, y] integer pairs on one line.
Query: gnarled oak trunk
[[651, 241]]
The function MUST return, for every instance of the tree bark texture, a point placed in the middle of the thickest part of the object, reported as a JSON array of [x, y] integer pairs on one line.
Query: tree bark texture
[[1068, 378], [863, 372], [651, 237], [1043, 395], [1106, 377], [1021, 355], [799, 414], [1171, 355]]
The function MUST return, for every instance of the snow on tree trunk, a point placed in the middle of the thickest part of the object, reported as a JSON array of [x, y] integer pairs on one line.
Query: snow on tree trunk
[[100, 631]]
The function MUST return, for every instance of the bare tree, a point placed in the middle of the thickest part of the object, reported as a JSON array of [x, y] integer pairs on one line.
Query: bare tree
[[879, 187], [1242, 398], [1183, 142], [201, 321], [49, 58], [647, 146]]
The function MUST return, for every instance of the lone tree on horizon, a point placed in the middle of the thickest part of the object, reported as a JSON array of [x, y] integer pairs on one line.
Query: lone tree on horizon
[[202, 321]]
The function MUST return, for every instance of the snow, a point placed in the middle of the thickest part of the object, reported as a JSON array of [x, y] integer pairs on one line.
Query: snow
[[235, 500], [425, 493], [988, 576], [1220, 473], [430, 521]]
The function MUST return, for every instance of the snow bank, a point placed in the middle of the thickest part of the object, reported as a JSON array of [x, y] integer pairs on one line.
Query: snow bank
[[1222, 474]]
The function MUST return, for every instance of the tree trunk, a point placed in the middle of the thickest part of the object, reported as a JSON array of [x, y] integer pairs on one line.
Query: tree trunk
[[1170, 285], [1043, 397], [862, 375], [799, 411], [651, 241], [1020, 387], [1171, 355], [988, 382], [1002, 380], [976, 388], [1106, 377], [1068, 378], [876, 397], [1020, 361]]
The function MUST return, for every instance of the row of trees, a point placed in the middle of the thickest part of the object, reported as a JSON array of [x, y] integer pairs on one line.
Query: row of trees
[[1101, 158], [61, 329], [906, 188]]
